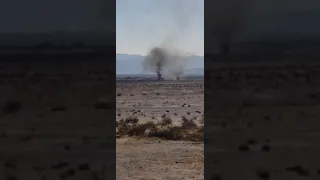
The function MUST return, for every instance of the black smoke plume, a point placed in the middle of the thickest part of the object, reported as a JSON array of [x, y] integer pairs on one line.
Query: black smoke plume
[[164, 62]]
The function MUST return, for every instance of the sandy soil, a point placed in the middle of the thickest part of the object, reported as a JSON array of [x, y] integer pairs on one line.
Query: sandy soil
[[153, 158], [156, 159]]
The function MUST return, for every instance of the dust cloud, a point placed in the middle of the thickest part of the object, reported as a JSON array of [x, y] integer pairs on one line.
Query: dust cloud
[[166, 59]]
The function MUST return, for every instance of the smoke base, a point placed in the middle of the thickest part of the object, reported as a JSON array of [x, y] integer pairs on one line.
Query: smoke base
[[167, 63]]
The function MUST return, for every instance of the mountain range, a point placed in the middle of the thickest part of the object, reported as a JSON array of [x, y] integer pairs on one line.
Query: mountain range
[[59, 37], [131, 64]]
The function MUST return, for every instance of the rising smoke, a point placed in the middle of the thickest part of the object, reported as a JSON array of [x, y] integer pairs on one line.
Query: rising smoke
[[166, 59], [167, 63]]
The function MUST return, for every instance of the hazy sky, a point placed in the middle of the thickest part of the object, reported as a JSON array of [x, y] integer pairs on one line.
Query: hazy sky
[[143, 24]]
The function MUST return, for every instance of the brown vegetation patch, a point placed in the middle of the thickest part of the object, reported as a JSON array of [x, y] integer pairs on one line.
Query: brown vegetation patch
[[188, 130]]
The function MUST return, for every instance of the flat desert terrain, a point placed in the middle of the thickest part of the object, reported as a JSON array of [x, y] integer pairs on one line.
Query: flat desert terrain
[[262, 121], [54, 121], [141, 156]]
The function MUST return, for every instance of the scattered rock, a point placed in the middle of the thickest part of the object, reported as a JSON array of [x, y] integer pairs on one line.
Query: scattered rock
[[68, 173], [83, 167], [60, 165], [299, 170], [67, 147], [265, 148], [263, 175], [10, 165], [244, 147], [251, 142]]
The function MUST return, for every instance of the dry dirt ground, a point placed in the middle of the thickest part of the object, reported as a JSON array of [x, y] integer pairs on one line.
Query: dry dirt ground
[[155, 158], [262, 121], [53, 121]]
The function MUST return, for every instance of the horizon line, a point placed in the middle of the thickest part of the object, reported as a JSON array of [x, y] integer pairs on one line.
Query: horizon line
[[136, 54]]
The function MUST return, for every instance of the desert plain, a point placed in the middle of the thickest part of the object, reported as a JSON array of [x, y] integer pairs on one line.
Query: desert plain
[[54, 117], [262, 120], [175, 107]]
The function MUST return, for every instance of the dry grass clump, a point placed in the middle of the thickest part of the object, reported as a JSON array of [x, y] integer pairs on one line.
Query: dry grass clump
[[188, 123], [165, 121], [131, 127], [202, 120], [187, 131]]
